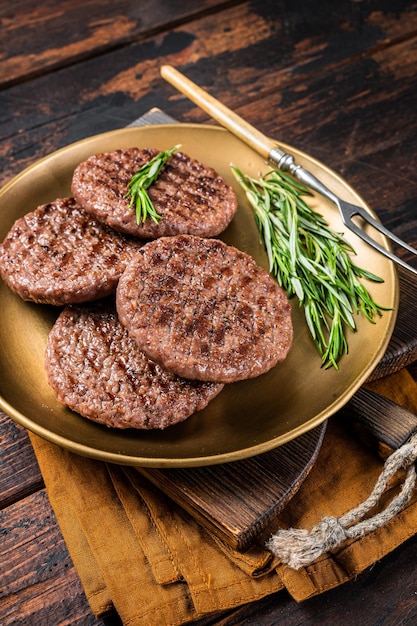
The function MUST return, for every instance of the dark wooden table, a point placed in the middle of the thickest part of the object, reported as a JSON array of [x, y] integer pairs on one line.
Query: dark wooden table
[[335, 79]]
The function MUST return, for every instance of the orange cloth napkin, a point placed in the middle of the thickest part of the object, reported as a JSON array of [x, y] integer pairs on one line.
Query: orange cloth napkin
[[140, 554]]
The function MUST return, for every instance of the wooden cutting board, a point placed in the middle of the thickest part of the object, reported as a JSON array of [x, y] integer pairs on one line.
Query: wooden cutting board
[[236, 501]]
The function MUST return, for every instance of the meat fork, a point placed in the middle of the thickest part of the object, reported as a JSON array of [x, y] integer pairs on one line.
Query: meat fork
[[267, 148], [347, 210]]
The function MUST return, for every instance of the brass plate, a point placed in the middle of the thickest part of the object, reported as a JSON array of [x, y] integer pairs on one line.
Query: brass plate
[[248, 417]]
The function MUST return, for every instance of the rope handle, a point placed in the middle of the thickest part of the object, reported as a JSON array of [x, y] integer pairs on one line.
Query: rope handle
[[298, 547]]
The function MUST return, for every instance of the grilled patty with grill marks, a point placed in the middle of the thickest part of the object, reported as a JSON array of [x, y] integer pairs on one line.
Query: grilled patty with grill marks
[[204, 310], [189, 196], [97, 370], [59, 254]]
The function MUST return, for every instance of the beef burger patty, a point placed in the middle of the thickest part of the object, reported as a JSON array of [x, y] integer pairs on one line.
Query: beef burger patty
[[190, 197], [97, 370], [204, 310], [59, 254]]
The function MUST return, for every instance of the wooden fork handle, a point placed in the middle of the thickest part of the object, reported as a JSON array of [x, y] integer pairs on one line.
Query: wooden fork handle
[[262, 144]]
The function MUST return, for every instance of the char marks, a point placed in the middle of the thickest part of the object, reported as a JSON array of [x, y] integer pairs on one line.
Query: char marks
[[204, 310], [97, 370], [59, 254], [189, 196]]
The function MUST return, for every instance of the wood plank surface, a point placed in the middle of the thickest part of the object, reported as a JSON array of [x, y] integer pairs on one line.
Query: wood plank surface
[[35, 564], [55, 36], [314, 98], [337, 80], [20, 473]]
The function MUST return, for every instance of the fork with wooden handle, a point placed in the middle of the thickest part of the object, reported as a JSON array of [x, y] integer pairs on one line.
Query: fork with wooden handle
[[269, 149]]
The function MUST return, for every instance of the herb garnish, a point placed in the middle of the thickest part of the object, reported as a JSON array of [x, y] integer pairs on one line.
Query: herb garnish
[[141, 181], [310, 260]]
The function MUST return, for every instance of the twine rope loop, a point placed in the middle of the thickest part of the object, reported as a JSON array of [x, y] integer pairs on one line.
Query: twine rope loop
[[298, 547]]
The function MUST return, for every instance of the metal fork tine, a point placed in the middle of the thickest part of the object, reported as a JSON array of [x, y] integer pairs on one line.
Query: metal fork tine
[[390, 255], [356, 210], [346, 209]]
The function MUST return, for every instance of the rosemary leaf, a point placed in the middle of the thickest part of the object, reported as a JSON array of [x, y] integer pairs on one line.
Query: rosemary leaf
[[310, 261], [141, 181]]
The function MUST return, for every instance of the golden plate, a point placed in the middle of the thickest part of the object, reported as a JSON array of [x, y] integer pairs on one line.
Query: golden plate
[[248, 417]]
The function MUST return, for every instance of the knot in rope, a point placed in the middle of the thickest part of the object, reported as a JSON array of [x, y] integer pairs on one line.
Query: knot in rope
[[298, 548]]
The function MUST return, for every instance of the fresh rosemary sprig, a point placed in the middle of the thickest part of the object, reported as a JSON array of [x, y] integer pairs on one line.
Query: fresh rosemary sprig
[[141, 181], [310, 260]]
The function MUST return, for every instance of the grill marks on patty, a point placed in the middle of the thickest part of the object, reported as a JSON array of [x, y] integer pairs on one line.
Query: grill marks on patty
[[97, 370], [204, 310], [59, 254], [190, 197]]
